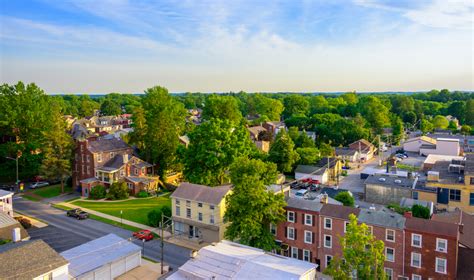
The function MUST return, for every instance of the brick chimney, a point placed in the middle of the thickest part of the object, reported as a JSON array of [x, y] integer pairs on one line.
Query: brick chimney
[[408, 214], [324, 198]]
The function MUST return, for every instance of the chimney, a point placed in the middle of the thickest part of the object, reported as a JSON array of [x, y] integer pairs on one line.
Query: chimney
[[324, 198], [16, 234], [461, 228], [408, 214]]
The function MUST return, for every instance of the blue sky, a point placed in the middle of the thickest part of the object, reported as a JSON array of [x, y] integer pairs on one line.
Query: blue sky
[[254, 45]]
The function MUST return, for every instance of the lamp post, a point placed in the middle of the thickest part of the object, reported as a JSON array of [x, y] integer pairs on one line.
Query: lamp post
[[143, 242], [15, 159], [121, 220]]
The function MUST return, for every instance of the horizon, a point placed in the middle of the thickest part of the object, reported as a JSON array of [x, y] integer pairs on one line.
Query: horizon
[[212, 46]]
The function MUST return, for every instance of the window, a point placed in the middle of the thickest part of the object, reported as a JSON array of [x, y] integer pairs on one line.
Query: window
[[178, 210], [441, 245], [88, 170], [327, 223], [82, 158], [472, 181], [471, 199], [294, 252], [308, 237], [188, 203], [389, 273], [345, 226], [291, 216], [390, 254], [188, 213], [415, 277], [273, 229], [415, 260], [416, 240], [211, 207], [136, 171], [122, 173], [211, 219], [99, 157], [328, 241], [199, 204], [328, 260], [177, 202], [112, 154], [88, 158], [200, 216], [306, 255], [441, 265], [83, 170], [371, 229], [454, 195], [48, 276], [291, 233], [415, 195], [308, 219], [390, 235]]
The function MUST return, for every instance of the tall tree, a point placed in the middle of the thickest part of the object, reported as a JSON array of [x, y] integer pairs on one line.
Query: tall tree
[[57, 149], [375, 112], [137, 136], [164, 123], [469, 112], [222, 107], [308, 156], [362, 254], [110, 108], [397, 129], [295, 104], [269, 107], [440, 122], [250, 207], [213, 147], [282, 152]]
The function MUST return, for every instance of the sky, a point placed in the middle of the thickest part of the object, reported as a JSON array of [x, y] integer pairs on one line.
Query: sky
[[102, 46]]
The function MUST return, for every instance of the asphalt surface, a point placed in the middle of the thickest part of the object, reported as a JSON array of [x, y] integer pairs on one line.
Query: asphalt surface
[[63, 233]]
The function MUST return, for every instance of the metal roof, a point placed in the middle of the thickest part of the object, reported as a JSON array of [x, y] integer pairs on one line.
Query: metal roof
[[5, 193], [98, 252]]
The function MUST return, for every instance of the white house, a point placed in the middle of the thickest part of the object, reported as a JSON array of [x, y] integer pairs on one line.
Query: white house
[[229, 260], [104, 258], [6, 202], [443, 146], [414, 144], [312, 172]]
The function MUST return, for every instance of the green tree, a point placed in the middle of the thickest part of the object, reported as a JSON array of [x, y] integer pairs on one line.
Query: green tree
[[304, 141], [469, 112], [466, 129], [402, 104], [98, 192], [222, 107], [155, 215], [318, 105], [137, 136], [282, 152], [426, 126], [87, 106], [295, 104], [110, 108], [457, 109], [118, 190], [269, 107], [397, 129], [420, 211], [363, 255], [440, 122], [213, 147], [345, 198], [251, 209], [308, 156], [57, 149], [375, 112]]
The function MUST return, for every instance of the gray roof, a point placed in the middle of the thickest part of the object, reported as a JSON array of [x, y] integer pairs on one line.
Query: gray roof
[[116, 162], [389, 181], [383, 218], [5, 193], [310, 169], [140, 179], [211, 195], [469, 167], [105, 145], [89, 180], [98, 252], [304, 204], [6, 220], [345, 151], [28, 259]]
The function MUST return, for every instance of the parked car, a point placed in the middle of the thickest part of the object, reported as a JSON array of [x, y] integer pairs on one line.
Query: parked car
[[7, 187], [295, 185], [39, 185], [78, 214], [143, 234], [301, 193]]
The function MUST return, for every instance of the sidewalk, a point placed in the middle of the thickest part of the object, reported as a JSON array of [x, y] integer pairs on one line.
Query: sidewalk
[[116, 219]]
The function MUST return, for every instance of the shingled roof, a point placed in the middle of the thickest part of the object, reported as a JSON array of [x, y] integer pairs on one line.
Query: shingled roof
[[431, 226], [106, 145], [201, 193], [339, 211]]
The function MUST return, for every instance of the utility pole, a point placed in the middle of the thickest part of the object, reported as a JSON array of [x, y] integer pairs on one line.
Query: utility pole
[[329, 170], [162, 243], [380, 151], [360, 155]]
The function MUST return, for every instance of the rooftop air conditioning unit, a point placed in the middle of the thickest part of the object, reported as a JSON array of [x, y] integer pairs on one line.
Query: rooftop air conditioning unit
[[398, 181], [382, 179]]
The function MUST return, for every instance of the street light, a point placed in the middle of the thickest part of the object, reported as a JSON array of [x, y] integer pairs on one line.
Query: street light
[[143, 242], [121, 221]]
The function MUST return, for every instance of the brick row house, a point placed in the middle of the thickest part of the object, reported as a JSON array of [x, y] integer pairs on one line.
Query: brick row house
[[100, 161], [414, 248]]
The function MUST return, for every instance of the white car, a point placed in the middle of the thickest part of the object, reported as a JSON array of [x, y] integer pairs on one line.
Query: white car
[[39, 185]]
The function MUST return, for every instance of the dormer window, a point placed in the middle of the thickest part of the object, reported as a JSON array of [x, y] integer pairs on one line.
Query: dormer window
[[99, 157]]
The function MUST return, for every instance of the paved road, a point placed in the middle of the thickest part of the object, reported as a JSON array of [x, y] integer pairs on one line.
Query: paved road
[[65, 232]]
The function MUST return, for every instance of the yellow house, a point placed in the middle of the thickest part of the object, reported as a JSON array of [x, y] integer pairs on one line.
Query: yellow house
[[198, 212], [454, 182]]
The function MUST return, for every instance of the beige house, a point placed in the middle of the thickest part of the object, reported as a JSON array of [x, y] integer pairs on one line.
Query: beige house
[[198, 212]]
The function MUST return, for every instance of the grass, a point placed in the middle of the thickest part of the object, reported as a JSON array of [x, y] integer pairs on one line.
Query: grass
[[32, 198], [407, 167], [133, 210], [45, 192]]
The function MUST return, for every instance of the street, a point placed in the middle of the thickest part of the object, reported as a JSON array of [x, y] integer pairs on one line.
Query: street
[[65, 232]]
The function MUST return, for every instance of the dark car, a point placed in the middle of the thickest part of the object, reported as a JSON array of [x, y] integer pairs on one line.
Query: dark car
[[78, 214]]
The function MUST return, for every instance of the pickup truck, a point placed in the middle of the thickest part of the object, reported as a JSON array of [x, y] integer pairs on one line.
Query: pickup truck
[[78, 214]]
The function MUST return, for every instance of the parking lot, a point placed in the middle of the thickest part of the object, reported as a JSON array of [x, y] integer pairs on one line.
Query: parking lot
[[59, 239]]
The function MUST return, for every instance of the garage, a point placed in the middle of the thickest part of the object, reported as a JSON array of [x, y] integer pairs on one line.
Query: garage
[[104, 258]]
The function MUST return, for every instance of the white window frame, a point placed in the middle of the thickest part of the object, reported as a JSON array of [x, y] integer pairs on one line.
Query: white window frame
[[288, 216], [326, 259], [386, 254], [330, 222], [211, 219], [345, 226], [190, 216], [212, 207], [273, 229], [177, 202], [445, 265], [411, 260], [306, 232], [415, 277], [330, 239], [441, 240], [200, 216], [178, 210], [389, 275], [288, 233], [293, 252], [306, 216], [99, 157], [306, 255], [371, 229], [413, 238], [387, 235]]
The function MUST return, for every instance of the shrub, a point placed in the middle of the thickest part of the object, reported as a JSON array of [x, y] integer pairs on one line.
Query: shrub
[[346, 198], [4, 241], [397, 208], [154, 216], [117, 190], [97, 192], [25, 223], [344, 173], [142, 194], [420, 211]]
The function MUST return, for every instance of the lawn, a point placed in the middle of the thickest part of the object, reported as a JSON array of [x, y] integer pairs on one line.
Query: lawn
[[45, 192], [133, 210]]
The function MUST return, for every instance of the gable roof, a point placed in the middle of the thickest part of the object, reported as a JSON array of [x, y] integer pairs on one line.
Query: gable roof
[[422, 138], [201, 193], [344, 151], [466, 232], [28, 259], [338, 211], [310, 169], [383, 218], [255, 130], [106, 145], [431, 226], [304, 204], [363, 143]]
